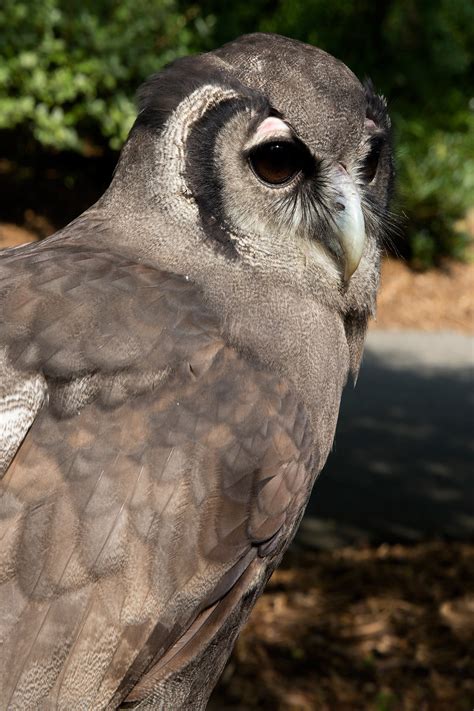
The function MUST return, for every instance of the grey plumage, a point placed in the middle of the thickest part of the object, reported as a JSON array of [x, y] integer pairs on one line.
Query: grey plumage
[[170, 375]]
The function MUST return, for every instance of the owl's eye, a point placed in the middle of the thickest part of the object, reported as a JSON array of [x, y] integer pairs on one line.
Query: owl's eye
[[277, 162], [371, 161]]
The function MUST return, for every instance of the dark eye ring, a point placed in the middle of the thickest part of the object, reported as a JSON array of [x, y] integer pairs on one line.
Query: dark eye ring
[[277, 162]]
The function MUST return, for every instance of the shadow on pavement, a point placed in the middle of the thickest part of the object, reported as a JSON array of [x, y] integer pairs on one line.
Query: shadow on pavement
[[402, 464]]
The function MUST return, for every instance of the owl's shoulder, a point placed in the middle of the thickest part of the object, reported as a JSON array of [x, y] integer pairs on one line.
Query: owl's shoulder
[[70, 308]]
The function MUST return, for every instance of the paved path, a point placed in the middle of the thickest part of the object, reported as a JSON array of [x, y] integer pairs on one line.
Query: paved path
[[402, 468]]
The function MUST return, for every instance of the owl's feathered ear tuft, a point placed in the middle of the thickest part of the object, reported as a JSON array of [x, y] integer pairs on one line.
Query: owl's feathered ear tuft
[[376, 106]]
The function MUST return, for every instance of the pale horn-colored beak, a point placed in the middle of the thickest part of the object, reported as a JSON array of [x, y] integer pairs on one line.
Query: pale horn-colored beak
[[349, 222]]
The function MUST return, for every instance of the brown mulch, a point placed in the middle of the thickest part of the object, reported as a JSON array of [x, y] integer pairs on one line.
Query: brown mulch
[[436, 300], [369, 629], [12, 235]]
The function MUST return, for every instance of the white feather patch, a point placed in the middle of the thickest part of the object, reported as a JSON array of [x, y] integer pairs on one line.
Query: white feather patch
[[21, 397]]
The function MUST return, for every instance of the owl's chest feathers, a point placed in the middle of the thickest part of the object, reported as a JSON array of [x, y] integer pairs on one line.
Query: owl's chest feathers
[[301, 340]]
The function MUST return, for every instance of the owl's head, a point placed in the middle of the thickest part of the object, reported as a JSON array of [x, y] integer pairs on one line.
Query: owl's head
[[269, 153]]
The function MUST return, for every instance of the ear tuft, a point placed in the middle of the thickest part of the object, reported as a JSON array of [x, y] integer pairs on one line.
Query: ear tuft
[[376, 109]]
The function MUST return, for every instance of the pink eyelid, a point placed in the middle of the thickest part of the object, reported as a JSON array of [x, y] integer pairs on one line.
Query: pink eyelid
[[271, 126]]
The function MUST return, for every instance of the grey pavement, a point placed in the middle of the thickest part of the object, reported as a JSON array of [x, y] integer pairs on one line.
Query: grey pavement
[[402, 468]]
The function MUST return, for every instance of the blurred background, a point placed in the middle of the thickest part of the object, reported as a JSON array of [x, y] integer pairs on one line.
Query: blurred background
[[373, 607]]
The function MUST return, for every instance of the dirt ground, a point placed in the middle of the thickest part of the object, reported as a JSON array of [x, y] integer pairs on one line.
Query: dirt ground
[[435, 300], [370, 629]]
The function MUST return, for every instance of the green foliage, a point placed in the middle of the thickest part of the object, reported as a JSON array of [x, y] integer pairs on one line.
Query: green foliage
[[436, 186], [385, 701], [70, 69]]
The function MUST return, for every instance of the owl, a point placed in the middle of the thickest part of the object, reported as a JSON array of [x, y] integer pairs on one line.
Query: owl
[[171, 367]]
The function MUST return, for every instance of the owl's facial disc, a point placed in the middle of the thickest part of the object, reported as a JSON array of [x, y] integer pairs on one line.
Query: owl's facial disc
[[267, 196]]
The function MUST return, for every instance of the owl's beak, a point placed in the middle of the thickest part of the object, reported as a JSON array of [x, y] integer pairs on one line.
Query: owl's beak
[[349, 221]]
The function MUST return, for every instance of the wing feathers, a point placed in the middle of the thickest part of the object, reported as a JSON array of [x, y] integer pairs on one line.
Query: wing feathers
[[21, 397], [153, 464]]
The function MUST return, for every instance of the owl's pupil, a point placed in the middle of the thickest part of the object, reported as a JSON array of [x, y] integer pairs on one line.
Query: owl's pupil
[[276, 163]]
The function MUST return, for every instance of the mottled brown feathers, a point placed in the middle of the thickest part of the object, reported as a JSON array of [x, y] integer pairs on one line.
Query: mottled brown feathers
[[130, 507]]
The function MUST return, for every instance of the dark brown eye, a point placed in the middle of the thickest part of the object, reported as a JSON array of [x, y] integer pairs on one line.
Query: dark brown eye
[[277, 162], [371, 162]]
